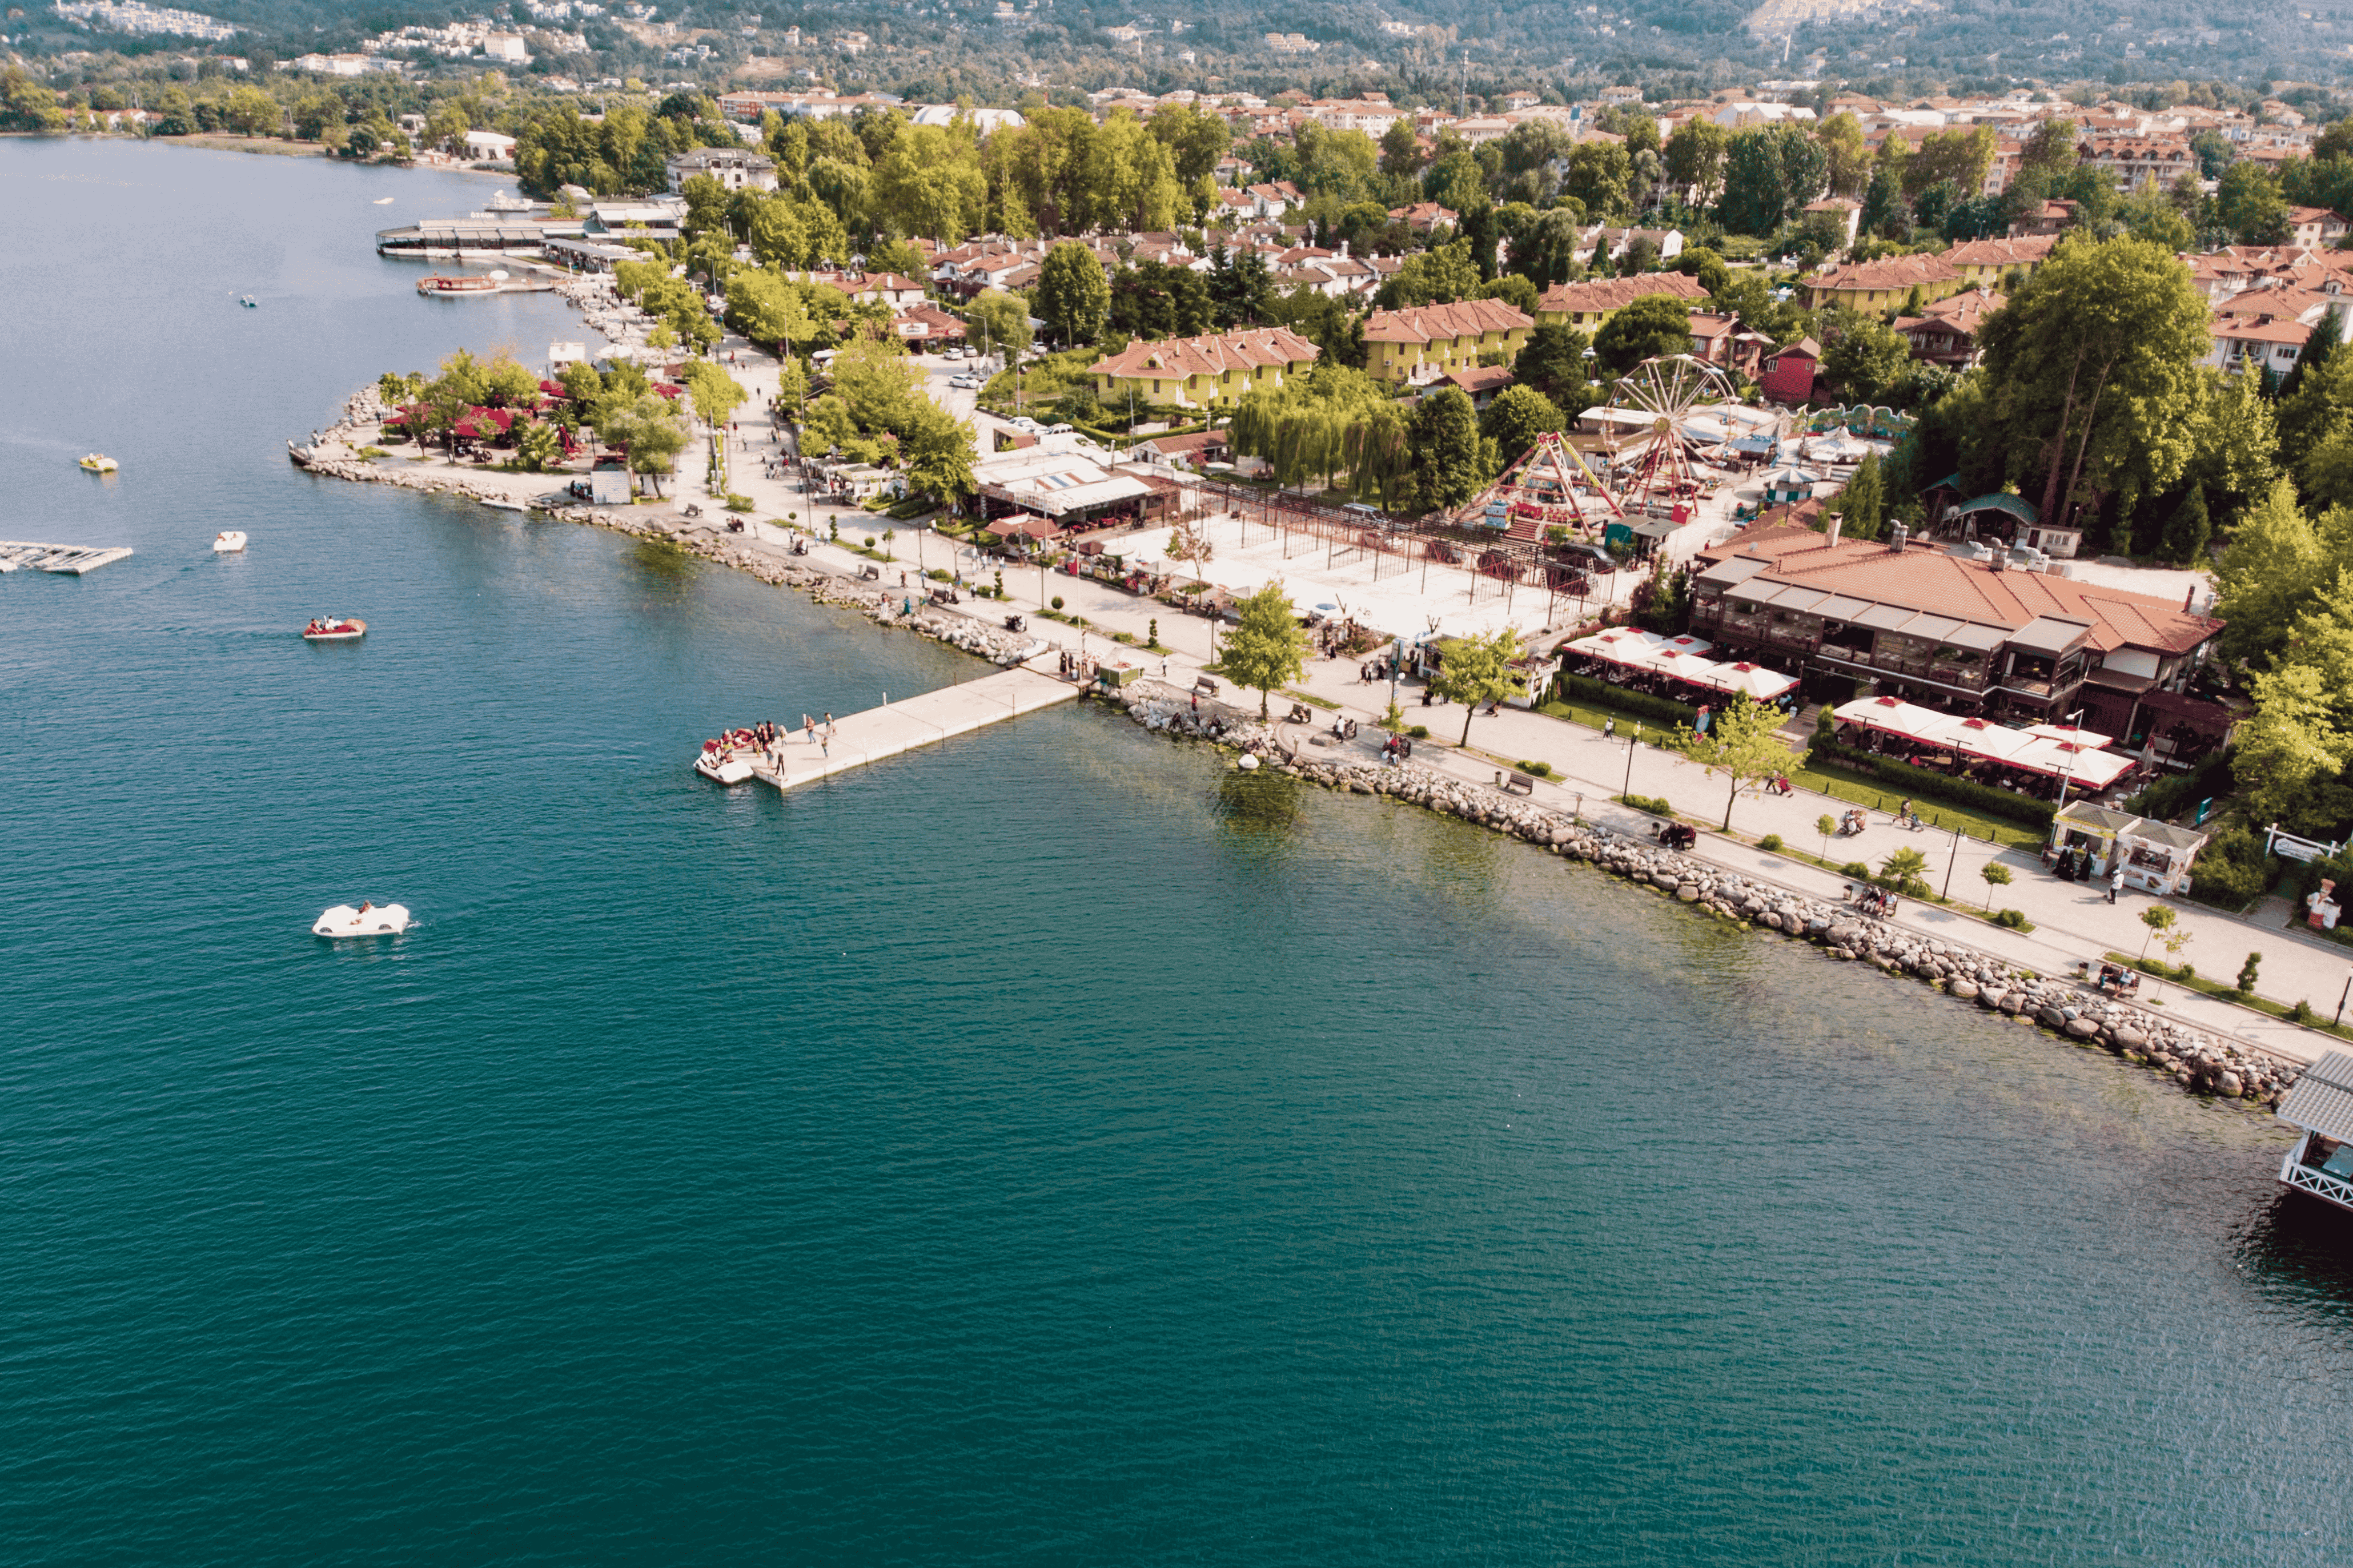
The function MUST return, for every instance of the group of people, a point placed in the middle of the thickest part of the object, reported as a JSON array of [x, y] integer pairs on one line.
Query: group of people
[[1396, 750], [1874, 900], [772, 738], [1075, 667]]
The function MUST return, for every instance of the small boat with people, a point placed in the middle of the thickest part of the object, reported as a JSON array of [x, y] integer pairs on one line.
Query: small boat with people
[[100, 463], [228, 541], [728, 759], [368, 920], [248, 302], [441, 286], [334, 629]]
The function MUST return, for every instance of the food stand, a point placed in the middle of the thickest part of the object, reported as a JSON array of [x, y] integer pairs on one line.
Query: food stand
[[2158, 857], [2089, 829]]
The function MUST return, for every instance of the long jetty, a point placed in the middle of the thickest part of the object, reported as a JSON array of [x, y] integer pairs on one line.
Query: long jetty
[[896, 727]]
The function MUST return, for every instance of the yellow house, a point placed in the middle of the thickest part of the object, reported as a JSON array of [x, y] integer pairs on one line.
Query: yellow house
[[1987, 263], [1424, 342], [1586, 306], [1198, 371], [1871, 286]]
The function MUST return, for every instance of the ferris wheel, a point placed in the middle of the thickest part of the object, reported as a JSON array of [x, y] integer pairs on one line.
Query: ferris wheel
[[1652, 469]]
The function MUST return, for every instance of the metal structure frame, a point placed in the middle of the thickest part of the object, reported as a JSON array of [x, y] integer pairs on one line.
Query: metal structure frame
[[1658, 469]]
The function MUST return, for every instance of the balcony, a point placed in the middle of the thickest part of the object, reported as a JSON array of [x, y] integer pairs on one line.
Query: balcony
[[2322, 1184]]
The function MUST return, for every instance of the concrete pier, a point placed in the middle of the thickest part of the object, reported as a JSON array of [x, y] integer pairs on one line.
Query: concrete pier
[[896, 727]]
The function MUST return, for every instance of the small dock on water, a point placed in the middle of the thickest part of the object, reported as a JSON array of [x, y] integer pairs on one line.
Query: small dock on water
[[917, 721], [76, 559]]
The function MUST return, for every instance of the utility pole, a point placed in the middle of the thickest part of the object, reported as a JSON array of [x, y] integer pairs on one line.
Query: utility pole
[[1463, 94]]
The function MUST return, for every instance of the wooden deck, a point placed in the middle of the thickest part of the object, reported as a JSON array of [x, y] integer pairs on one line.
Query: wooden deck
[[896, 727]]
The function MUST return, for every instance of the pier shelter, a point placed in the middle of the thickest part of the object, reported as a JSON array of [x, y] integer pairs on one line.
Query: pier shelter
[[2320, 1107]]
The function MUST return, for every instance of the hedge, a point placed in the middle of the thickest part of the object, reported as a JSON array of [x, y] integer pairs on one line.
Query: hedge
[[1608, 696], [2174, 793], [1928, 784]]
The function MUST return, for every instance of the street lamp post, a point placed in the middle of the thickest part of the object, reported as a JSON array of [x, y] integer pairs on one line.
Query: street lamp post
[[2075, 721], [1631, 741], [2340, 1002], [1950, 864]]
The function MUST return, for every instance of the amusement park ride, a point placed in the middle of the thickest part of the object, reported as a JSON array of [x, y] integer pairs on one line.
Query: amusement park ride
[[1552, 485]]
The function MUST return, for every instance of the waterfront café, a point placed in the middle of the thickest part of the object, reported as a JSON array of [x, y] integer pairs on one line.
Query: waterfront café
[[2320, 1107], [1628, 656], [1076, 489], [2040, 760]]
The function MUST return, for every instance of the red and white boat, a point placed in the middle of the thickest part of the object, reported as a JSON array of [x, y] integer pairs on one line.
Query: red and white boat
[[728, 759], [334, 629]]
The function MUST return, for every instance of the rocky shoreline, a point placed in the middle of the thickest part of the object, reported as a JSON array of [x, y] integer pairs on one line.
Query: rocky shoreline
[[2197, 1062]]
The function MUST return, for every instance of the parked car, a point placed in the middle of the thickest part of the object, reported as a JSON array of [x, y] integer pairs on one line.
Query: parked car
[[1601, 560], [1058, 429]]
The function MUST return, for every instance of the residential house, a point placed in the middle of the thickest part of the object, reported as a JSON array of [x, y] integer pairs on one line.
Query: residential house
[[1480, 382], [1424, 217], [2257, 342], [1416, 346], [737, 168], [1588, 305], [1194, 373], [1945, 333], [1871, 286], [1990, 263], [2315, 228], [1788, 372], [1843, 211], [2049, 217]]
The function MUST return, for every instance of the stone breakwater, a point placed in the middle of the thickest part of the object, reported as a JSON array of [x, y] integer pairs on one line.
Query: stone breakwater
[[2198, 1063]]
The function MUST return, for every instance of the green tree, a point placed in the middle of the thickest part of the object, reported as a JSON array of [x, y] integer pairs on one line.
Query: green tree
[[1439, 276], [1694, 160], [1267, 648], [2248, 203], [716, 393], [2273, 570], [2291, 757], [1849, 160], [648, 427], [1862, 505], [1553, 362], [2188, 530], [1996, 875], [1647, 328], [1866, 359], [1478, 669], [1904, 871], [937, 449], [1073, 296], [539, 446], [26, 104], [1517, 418], [1597, 176], [1740, 744], [1447, 457], [2093, 367], [1000, 322]]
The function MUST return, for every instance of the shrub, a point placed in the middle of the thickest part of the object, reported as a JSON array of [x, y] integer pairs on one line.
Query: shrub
[[1152, 633], [2301, 1013], [1418, 733], [1127, 637], [2015, 919], [1534, 770], [2175, 794], [938, 574], [1056, 602], [1930, 786], [1769, 843], [1856, 869], [1605, 695], [738, 503], [2232, 871], [1652, 803]]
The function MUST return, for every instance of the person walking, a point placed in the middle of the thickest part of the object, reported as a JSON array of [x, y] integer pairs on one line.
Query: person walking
[[2115, 880], [808, 728]]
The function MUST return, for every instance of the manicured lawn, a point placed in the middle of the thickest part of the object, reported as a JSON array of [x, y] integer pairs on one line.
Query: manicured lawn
[[1936, 813], [1591, 714]]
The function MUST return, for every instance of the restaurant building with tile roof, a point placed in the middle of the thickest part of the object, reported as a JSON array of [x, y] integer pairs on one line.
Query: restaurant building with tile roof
[[1420, 343], [1910, 620], [1198, 371]]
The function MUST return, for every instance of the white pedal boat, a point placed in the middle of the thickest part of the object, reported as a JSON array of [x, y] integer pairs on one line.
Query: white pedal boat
[[368, 920], [228, 543], [723, 767]]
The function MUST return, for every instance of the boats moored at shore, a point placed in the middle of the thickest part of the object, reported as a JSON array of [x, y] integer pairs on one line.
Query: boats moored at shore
[[334, 629], [228, 541], [368, 920]]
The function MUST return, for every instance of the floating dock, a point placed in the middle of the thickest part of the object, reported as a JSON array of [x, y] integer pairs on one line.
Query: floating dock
[[74, 558], [897, 727]]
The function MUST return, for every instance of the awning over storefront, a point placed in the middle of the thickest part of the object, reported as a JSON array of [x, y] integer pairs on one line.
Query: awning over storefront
[[2048, 749]]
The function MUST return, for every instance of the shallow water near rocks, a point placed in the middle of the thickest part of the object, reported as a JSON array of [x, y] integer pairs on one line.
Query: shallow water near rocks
[[1050, 1147]]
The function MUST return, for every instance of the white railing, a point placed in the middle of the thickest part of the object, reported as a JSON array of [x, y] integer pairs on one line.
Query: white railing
[[2318, 1183]]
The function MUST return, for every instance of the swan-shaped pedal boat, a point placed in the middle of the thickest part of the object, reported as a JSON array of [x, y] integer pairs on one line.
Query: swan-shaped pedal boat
[[368, 920]]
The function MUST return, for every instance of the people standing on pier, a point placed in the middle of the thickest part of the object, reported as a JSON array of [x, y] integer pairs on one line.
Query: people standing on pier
[[808, 728]]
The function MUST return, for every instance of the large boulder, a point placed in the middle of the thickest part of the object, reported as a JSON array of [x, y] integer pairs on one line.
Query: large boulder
[[1964, 989]]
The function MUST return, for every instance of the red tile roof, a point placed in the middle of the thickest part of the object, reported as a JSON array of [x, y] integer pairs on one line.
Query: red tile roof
[[1888, 272], [1253, 349], [1605, 294], [1926, 579], [1435, 323], [2027, 250]]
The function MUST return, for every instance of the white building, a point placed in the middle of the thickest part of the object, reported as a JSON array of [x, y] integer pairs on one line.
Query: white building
[[736, 168]]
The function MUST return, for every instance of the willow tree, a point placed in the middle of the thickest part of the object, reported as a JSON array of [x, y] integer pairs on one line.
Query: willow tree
[[2093, 364]]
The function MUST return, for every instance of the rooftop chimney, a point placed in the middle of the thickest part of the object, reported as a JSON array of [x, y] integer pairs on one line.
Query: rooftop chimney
[[1830, 534], [1895, 537]]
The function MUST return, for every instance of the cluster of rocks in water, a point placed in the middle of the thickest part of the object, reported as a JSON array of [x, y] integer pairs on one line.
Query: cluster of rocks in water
[[2196, 1061]]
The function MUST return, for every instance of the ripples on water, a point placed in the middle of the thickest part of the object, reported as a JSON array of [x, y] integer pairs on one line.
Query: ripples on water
[[1048, 1147]]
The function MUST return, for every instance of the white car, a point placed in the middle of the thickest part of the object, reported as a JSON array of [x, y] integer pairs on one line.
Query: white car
[[1058, 429]]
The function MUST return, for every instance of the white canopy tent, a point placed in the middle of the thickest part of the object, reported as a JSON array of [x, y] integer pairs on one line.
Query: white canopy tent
[[2048, 749]]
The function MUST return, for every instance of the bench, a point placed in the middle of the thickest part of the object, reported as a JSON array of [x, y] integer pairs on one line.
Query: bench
[[1206, 687], [1524, 782]]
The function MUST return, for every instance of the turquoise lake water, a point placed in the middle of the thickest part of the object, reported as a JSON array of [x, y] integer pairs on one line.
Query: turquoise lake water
[[1047, 1148]]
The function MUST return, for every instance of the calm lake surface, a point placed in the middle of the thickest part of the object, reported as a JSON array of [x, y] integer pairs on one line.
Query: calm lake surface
[[1047, 1148]]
